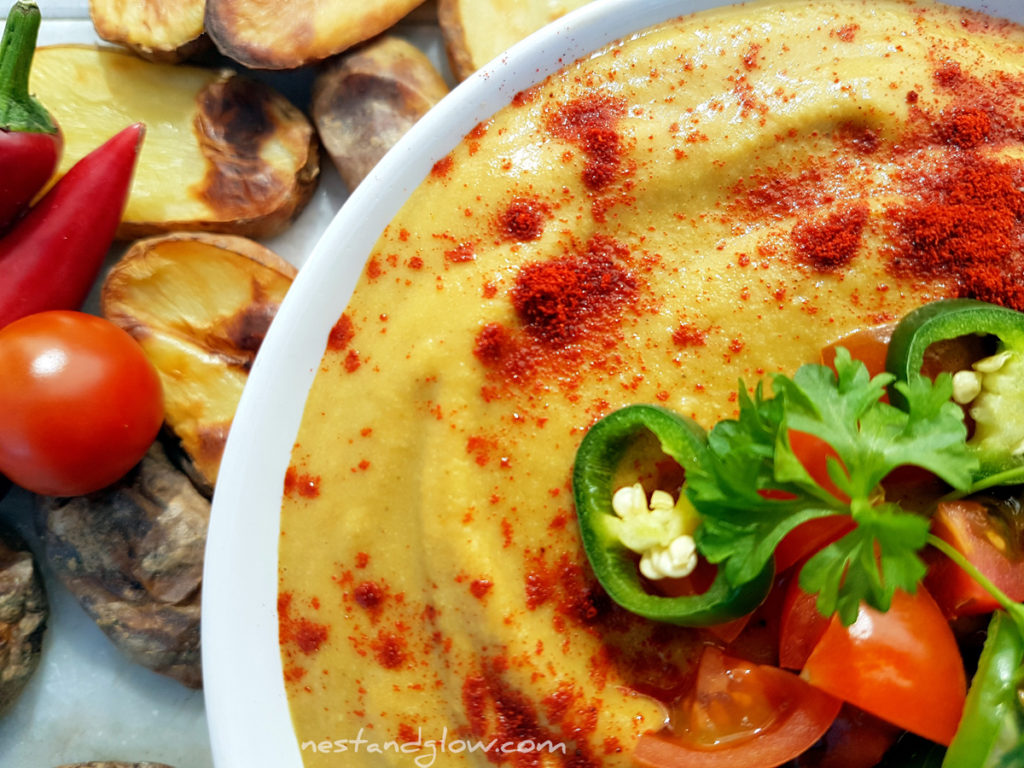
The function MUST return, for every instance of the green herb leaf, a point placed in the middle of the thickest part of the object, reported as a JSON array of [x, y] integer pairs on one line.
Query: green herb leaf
[[869, 563], [740, 527], [752, 489]]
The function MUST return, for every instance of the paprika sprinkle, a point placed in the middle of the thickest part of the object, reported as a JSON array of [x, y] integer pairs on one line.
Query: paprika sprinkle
[[523, 219], [556, 299], [963, 221], [830, 243]]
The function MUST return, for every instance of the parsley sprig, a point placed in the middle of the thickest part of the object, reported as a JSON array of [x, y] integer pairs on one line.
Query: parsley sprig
[[751, 488]]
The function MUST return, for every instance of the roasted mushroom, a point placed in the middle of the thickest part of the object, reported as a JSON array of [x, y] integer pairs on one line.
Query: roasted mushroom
[[133, 557], [23, 614]]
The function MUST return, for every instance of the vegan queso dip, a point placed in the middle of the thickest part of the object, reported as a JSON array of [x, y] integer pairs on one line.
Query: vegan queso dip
[[714, 199]]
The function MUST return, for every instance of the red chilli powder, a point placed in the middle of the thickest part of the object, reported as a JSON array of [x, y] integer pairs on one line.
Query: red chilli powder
[[831, 242], [299, 484], [969, 225], [305, 635], [523, 220], [964, 221], [341, 334], [591, 123], [556, 299]]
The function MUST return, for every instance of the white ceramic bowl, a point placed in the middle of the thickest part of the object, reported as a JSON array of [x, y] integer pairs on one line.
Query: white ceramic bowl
[[246, 704]]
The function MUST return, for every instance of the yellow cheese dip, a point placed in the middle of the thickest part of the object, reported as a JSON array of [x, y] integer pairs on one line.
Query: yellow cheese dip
[[714, 199]]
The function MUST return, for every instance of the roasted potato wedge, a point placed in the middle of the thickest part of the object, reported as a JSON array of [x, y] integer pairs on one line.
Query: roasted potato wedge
[[200, 305], [366, 99], [268, 35], [132, 555], [222, 153], [475, 31], [153, 29]]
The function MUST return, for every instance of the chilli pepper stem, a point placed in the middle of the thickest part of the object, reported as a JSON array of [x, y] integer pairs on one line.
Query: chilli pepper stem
[[18, 110]]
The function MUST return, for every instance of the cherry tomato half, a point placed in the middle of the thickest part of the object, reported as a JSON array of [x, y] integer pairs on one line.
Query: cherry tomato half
[[903, 666], [80, 403], [800, 627], [869, 345], [992, 538], [816, 455], [739, 715], [809, 537]]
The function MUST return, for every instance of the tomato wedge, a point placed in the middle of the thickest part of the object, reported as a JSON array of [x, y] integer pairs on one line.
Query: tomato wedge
[[992, 541], [739, 715], [800, 627], [869, 345], [816, 455], [903, 666], [810, 536]]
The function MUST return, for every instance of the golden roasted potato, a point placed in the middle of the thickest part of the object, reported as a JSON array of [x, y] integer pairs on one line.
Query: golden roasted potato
[[365, 100], [222, 152], [200, 305], [273, 35], [153, 29], [475, 31]]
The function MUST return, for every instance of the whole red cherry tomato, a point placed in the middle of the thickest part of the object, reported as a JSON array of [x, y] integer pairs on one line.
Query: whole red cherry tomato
[[80, 403]]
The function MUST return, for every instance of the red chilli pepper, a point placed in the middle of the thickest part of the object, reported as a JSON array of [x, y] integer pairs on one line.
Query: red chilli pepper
[[30, 141], [52, 256]]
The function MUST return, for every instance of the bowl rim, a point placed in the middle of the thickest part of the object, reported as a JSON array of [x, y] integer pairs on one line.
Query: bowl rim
[[243, 672]]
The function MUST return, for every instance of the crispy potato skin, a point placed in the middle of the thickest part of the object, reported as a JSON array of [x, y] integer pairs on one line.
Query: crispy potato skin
[[460, 58], [365, 100], [223, 152], [472, 36], [266, 34], [153, 29], [199, 304], [235, 119], [132, 555]]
